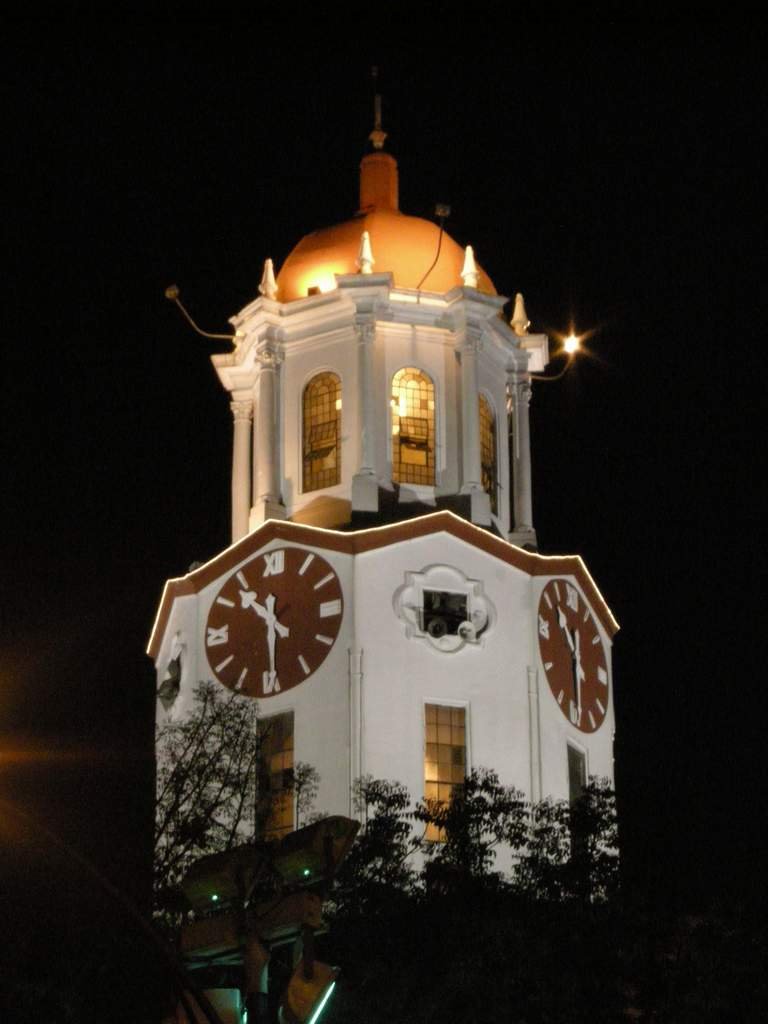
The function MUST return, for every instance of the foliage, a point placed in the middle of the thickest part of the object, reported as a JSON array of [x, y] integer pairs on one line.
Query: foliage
[[213, 785], [306, 783], [206, 783], [572, 851], [482, 815], [377, 870]]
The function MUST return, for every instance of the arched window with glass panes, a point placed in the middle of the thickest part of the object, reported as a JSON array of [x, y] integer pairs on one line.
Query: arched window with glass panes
[[413, 427], [488, 450], [321, 432]]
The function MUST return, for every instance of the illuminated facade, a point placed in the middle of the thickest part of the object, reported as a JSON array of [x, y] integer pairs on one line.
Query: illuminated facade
[[382, 594]]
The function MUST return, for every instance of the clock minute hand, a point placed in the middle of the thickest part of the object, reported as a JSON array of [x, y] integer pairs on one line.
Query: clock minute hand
[[563, 623], [280, 629], [273, 627], [579, 673], [574, 649]]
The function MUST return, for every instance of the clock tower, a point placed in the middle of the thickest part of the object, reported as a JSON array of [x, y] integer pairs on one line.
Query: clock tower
[[383, 599]]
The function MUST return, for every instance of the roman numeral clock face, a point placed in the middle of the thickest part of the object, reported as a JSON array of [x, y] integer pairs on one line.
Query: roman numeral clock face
[[573, 655], [274, 622]]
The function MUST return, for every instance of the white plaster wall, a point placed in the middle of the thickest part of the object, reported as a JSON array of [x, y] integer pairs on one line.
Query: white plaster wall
[[182, 623], [400, 674]]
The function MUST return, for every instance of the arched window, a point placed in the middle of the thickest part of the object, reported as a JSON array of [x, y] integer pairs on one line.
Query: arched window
[[413, 427], [488, 461], [321, 429]]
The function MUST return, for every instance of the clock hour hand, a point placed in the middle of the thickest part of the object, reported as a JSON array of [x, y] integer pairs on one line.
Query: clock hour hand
[[274, 628], [248, 600]]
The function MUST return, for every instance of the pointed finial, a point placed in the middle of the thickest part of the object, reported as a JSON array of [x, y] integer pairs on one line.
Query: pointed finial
[[365, 258], [469, 274], [268, 285], [377, 136], [520, 322]]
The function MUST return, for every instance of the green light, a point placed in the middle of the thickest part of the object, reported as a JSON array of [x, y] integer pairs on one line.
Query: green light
[[214, 898], [306, 872], [323, 1001]]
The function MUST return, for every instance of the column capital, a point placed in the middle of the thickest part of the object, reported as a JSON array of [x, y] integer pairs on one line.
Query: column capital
[[242, 409], [520, 386], [366, 330], [269, 355], [470, 340]]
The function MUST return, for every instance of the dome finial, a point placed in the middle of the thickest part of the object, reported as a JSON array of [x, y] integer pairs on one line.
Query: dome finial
[[469, 274], [268, 285], [377, 136], [365, 258], [520, 322]]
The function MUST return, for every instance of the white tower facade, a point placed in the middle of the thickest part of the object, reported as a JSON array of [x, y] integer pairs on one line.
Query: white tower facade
[[382, 597]]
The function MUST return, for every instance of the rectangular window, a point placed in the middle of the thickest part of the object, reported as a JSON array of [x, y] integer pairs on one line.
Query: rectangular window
[[577, 780], [577, 773], [276, 788], [445, 755]]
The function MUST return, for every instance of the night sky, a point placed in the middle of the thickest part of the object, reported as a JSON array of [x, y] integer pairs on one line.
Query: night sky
[[610, 171]]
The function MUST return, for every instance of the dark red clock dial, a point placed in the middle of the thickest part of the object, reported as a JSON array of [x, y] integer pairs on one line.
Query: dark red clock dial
[[573, 655], [274, 621]]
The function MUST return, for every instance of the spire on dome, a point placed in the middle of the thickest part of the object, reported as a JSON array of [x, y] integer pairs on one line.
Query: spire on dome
[[268, 284], [469, 274], [365, 258], [520, 322], [378, 170], [377, 136]]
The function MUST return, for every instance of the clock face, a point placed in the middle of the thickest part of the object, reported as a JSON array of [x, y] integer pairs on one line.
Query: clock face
[[274, 622], [573, 655]]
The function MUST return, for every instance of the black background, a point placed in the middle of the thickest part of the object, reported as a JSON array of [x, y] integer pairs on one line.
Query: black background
[[608, 169]]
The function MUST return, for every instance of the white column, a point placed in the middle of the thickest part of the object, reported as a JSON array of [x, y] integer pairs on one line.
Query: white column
[[365, 338], [522, 506], [534, 735], [472, 484], [365, 485], [266, 503], [242, 411], [470, 416], [355, 722]]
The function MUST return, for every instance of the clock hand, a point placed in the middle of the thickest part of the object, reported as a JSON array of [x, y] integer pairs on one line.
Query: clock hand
[[267, 613], [281, 630], [271, 619], [579, 671], [248, 600], [563, 623], [575, 655]]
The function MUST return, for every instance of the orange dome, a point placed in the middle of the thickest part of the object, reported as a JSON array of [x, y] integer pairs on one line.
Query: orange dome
[[402, 246]]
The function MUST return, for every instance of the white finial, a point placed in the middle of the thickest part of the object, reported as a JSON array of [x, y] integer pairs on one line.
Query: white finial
[[268, 286], [365, 258], [469, 273], [520, 322]]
